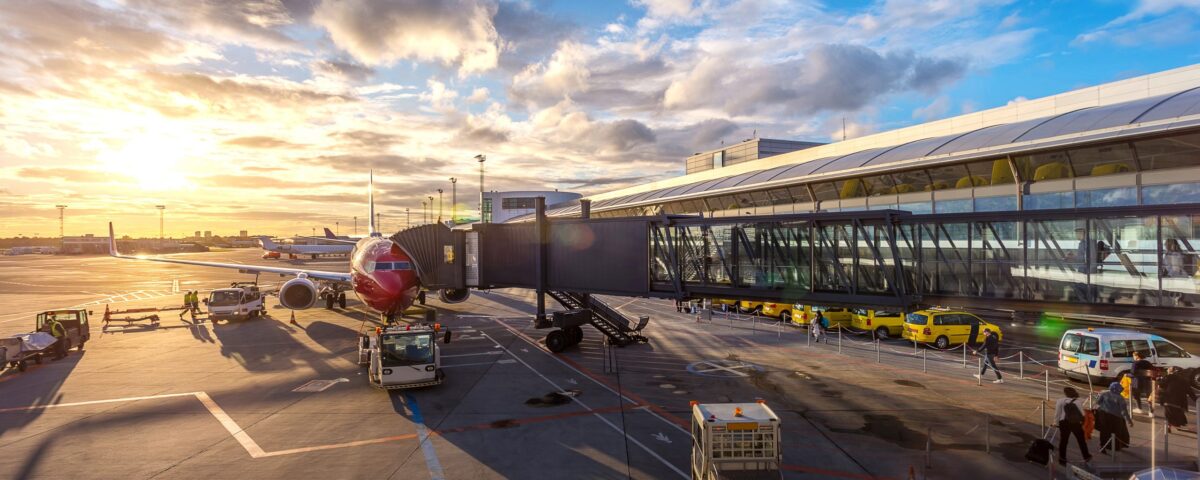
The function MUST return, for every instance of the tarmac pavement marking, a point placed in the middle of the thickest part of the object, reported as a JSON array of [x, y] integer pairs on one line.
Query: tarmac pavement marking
[[431, 459], [589, 409]]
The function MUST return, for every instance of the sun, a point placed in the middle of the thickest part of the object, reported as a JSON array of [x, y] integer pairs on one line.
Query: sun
[[151, 161]]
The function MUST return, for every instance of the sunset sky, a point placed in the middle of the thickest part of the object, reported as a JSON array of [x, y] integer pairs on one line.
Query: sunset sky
[[266, 115]]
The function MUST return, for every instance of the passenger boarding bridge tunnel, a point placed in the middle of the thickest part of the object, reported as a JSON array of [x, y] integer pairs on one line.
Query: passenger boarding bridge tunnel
[[1135, 262]]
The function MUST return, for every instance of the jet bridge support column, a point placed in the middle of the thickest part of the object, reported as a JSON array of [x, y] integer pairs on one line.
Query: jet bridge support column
[[542, 227]]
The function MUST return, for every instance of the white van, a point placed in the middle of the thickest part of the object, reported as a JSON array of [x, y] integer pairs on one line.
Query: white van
[[1107, 353]]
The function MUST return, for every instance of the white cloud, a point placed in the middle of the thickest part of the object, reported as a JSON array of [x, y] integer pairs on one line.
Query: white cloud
[[479, 95], [458, 33], [936, 109]]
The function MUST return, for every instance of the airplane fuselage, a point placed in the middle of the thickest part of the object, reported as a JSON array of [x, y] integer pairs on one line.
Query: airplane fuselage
[[383, 276]]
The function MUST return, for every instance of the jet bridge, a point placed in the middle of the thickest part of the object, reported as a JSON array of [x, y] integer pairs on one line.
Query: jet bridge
[[1138, 262]]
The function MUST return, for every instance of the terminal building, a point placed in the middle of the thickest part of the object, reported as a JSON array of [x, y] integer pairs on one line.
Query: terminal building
[[500, 207], [1090, 197]]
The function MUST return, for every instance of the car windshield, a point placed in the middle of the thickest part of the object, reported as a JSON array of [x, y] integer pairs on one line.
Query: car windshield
[[224, 298], [1167, 349], [406, 349], [916, 319]]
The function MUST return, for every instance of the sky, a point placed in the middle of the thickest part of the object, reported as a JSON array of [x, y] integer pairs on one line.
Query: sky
[[266, 115]]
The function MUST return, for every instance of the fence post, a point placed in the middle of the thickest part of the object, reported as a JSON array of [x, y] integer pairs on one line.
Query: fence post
[[964, 347], [1198, 430], [1021, 364], [809, 334], [979, 377], [876, 350], [1166, 444], [928, 448], [1047, 372], [925, 369], [839, 339], [1043, 409]]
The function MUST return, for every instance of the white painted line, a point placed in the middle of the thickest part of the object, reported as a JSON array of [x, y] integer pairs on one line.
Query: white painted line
[[231, 426], [492, 352], [94, 402], [597, 415]]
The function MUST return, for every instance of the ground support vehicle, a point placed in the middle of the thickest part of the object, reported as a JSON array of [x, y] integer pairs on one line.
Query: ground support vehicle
[[944, 327], [1105, 354], [735, 440], [74, 322], [240, 300], [16, 351], [403, 356]]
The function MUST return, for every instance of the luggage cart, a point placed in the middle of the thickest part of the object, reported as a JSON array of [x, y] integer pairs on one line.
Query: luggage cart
[[18, 350]]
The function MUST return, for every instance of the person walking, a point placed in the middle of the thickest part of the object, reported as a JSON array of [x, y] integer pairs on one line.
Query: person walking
[[990, 349], [1069, 417], [1177, 395], [818, 326], [1142, 381], [1113, 419]]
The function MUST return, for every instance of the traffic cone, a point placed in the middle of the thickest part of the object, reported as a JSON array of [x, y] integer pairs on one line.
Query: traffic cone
[[293, 322]]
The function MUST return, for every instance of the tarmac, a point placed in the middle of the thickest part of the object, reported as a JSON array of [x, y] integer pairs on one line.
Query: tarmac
[[268, 399]]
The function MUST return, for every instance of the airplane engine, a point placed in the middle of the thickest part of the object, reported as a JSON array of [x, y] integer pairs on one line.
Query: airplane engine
[[298, 294], [454, 295]]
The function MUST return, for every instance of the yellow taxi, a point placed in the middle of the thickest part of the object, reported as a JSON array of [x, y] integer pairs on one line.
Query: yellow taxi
[[884, 323], [767, 309], [945, 327], [804, 314], [723, 301]]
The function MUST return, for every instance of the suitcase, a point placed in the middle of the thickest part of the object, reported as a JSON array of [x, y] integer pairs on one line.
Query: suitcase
[[1039, 451]]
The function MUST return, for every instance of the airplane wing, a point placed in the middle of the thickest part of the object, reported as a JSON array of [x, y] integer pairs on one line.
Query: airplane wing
[[313, 274]]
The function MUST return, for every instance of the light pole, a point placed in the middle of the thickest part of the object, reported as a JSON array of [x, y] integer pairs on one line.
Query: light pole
[[482, 158], [453, 201], [378, 221], [337, 228], [424, 213], [160, 208], [439, 205], [407, 218], [429, 215], [355, 226], [60, 220]]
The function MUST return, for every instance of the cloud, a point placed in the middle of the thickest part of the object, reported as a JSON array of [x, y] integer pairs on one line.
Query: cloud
[[260, 142], [367, 139], [72, 175], [228, 96], [256, 22], [1148, 23], [245, 181], [566, 124], [479, 95], [388, 164], [934, 110], [600, 181], [457, 33], [829, 77], [349, 71]]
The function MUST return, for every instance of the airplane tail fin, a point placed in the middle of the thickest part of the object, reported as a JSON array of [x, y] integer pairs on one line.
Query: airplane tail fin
[[371, 204], [112, 242], [329, 233], [266, 243]]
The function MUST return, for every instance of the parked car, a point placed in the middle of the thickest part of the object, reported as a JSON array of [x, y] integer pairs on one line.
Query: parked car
[[1106, 354], [944, 327], [884, 323]]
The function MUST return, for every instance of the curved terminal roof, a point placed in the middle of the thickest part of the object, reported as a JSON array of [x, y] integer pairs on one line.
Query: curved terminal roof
[[1087, 120]]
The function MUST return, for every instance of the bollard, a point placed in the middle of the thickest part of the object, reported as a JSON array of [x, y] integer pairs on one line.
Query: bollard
[[1021, 364], [809, 335], [1047, 372], [1042, 407], [925, 368], [979, 378], [964, 347], [987, 434], [876, 350], [839, 339], [753, 324]]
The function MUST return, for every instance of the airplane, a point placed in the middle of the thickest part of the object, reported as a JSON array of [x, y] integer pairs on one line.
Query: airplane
[[381, 274], [306, 250]]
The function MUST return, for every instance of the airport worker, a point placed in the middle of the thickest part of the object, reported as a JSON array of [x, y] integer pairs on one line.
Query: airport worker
[[1177, 395], [819, 327], [990, 349], [187, 299], [1113, 419], [60, 335], [1142, 382], [1069, 417]]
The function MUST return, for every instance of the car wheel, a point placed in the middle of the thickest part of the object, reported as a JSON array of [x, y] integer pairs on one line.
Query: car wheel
[[21, 366], [881, 333], [1195, 374], [942, 342], [786, 317], [81, 344], [556, 341]]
